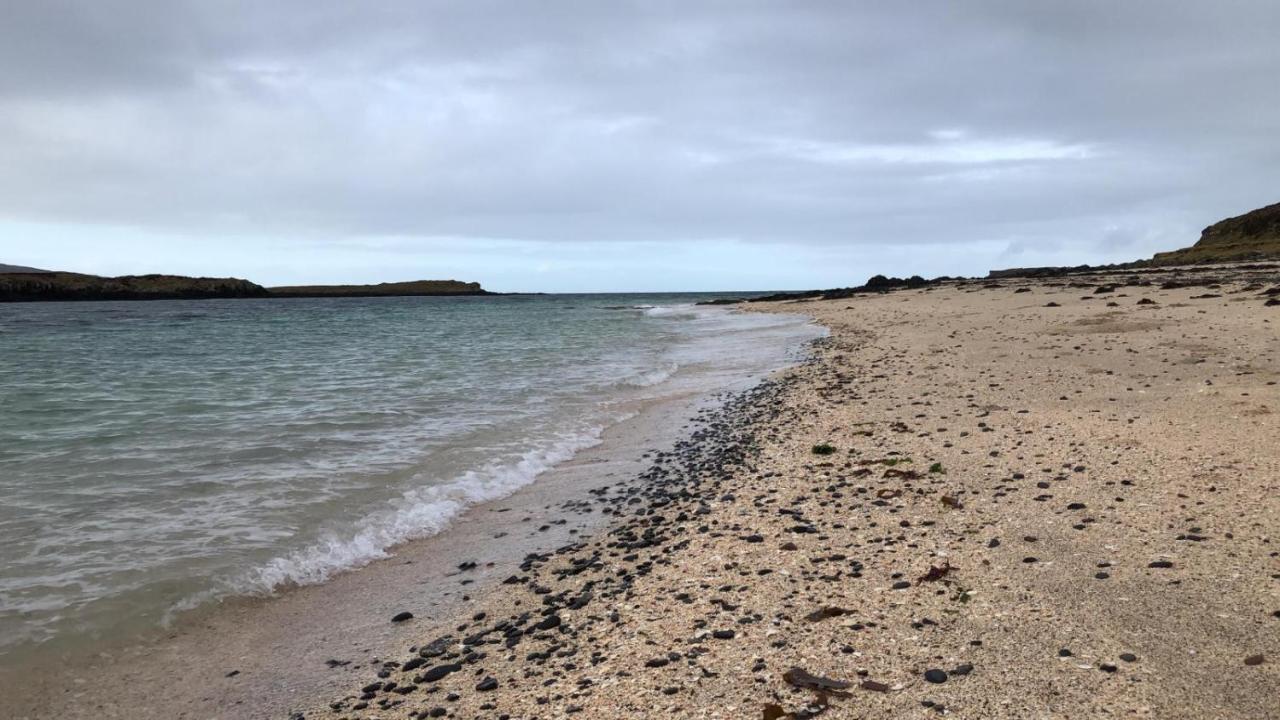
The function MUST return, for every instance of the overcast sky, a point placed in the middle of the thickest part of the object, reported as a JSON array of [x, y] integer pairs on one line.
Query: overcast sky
[[627, 146]]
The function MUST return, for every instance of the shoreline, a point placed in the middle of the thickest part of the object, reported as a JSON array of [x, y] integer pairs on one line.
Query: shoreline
[[1043, 498], [304, 641], [991, 536]]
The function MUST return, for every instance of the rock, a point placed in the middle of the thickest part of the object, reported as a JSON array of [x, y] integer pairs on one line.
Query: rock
[[1159, 564], [487, 684], [797, 677], [1128, 657], [825, 613], [440, 671], [874, 686], [935, 676], [401, 617], [1254, 660]]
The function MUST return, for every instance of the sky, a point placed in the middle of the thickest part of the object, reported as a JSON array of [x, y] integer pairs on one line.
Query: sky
[[627, 146]]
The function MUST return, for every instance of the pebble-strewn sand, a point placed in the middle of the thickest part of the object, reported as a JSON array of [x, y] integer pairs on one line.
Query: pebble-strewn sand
[[1030, 511]]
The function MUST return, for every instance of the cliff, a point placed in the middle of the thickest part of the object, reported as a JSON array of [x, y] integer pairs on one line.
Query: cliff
[[1249, 237], [34, 286], [411, 288]]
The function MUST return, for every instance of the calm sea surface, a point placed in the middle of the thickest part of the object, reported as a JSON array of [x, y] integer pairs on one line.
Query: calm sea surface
[[155, 456]]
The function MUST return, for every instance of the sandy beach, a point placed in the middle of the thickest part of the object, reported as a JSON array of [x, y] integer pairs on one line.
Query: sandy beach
[[1040, 498]]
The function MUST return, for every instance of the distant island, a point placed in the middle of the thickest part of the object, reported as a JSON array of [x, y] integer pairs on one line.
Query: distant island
[[411, 288], [23, 284]]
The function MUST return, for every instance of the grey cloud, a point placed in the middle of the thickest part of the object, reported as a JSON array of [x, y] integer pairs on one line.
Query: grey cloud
[[1053, 126]]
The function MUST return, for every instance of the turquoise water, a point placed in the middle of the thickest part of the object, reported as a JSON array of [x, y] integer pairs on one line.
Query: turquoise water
[[155, 456]]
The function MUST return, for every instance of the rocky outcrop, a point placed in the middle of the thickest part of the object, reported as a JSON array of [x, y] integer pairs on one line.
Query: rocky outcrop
[[411, 288], [1244, 238], [37, 286], [877, 284]]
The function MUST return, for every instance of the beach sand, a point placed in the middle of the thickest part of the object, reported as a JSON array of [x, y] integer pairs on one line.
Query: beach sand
[[1044, 500]]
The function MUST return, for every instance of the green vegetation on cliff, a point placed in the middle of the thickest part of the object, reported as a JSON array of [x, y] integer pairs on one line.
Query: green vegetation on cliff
[[1252, 236]]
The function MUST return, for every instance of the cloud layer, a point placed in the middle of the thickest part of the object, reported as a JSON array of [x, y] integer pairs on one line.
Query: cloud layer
[[588, 145]]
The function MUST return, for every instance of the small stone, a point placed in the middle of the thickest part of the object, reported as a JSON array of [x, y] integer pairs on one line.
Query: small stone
[[901, 585], [401, 617], [1107, 668], [1253, 660], [1128, 657], [935, 676], [487, 684], [1064, 652], [440, 671], [1160, 564], [722, 634]]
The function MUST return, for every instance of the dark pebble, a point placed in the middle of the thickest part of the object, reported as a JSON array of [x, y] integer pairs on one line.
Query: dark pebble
[[935, 676], [487, 684], [439, 671], [401, 617]]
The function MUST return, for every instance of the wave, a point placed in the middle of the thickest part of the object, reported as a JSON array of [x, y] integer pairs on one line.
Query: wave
[[418, 513]]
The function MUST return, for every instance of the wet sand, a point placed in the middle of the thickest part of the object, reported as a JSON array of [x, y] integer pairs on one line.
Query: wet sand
[[1021, 499]]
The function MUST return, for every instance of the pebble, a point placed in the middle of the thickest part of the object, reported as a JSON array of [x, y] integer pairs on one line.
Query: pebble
[[935, 676], [401, 617]]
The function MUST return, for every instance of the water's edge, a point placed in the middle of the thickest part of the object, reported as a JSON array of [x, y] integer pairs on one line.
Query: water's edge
[[277, 649]]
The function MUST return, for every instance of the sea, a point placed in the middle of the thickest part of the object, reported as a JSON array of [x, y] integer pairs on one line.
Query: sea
[[158, 457]]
